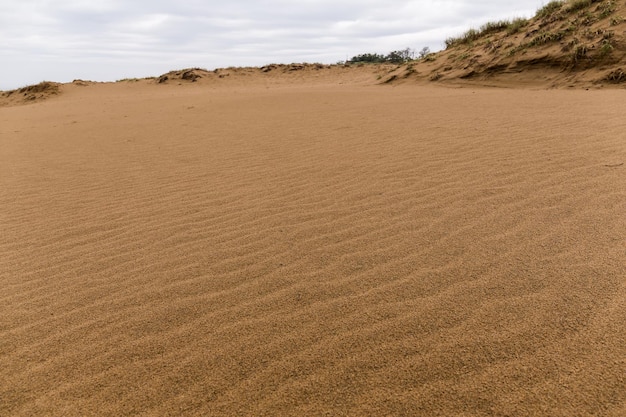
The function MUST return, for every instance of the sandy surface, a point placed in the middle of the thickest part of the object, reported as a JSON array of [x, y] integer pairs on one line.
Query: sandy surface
[[313, 249]]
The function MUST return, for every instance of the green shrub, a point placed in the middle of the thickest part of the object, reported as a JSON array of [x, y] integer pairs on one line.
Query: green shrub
[[367, 58]]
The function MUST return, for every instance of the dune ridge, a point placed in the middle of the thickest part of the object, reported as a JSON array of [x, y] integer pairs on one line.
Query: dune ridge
[[567, 44], [570, 43], [313, 249]]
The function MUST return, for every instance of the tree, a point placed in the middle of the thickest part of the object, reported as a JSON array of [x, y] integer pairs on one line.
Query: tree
[[368, 58], [394, 57], [401, 56]]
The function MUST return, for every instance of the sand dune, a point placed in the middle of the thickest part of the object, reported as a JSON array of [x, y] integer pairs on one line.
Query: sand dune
[[313, 248], [572, 43]]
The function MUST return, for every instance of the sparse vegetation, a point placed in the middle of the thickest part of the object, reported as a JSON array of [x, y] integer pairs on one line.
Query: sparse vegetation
[[494, 27], [575, 5], [579, 53], [606, 9], [42, 87], [516, 25], [606, 48], [568, 28], [549, 9], [587, 18], [616, 76], [34, 92], [468, 37], [546, 37], [568, 32]]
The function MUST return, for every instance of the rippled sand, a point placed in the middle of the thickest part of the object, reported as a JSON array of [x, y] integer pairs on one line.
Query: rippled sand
[[313, 249]]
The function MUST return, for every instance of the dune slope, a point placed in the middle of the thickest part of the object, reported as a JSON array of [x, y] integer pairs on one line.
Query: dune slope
[[572, 43]]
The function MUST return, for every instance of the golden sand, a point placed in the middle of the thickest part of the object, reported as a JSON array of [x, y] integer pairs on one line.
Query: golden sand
[[313, 248]]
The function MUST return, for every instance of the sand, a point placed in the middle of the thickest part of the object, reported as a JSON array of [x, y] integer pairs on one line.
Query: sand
[[313, 248]]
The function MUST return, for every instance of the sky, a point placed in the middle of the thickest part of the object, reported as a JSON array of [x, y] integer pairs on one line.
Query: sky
[[107, 40]]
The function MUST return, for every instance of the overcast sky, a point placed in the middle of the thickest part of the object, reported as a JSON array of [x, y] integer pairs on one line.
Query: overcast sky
[[106, 40]]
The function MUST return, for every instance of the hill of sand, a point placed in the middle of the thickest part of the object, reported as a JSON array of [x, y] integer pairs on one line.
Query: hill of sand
[[314, 240], [29, 94], [570, 43], [575, 43], [269, 75], [311, 243]]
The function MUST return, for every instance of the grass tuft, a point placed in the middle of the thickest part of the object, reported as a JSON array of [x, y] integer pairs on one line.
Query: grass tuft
[[606, 48], [494, 27], [606, 9], [468, 37], [579, 53], [576, 5], [549, 9], [616, 76], [511, 27], [546, 37], [617, 20], [516, 25]]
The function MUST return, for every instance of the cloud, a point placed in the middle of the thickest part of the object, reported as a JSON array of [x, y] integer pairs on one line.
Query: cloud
[[109, 39]]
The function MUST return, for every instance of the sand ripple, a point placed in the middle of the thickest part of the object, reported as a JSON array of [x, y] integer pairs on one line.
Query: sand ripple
[[312, 250]]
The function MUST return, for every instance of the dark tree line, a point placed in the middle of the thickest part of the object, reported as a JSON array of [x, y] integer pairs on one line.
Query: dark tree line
[[394, 57]]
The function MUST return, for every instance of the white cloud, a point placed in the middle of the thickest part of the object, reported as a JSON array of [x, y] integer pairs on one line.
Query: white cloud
[[109, 39]]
